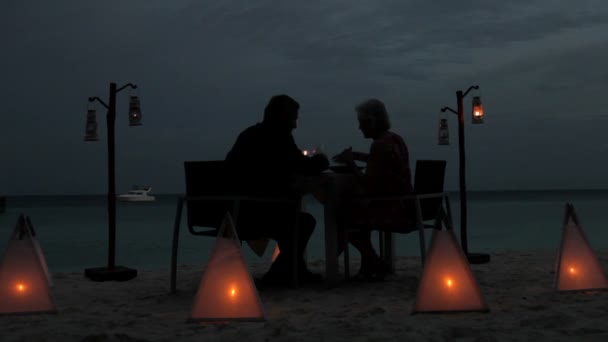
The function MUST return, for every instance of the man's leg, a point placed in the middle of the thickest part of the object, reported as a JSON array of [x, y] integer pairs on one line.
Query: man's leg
[[283, 265]]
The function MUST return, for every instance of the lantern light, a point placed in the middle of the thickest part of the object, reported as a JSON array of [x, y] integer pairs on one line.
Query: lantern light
[[477, 110], [91, 126], [440, 291], [24, 282], [577, 268], [444, 133], [227, 273], [134, 111]]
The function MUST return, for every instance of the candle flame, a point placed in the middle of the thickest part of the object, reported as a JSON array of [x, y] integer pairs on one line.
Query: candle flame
[[572, 270], [449, 282], [20, 287], [305, 152], [233, 292]]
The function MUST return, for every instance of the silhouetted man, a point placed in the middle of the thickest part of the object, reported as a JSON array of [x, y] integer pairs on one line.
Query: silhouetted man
[[266, 160]]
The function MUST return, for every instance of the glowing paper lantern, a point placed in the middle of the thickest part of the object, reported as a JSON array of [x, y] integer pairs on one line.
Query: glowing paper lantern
[[447, 283], [258, 246], [226, 291], [576, 267], [24, 284], [276, 252], [39, 251]]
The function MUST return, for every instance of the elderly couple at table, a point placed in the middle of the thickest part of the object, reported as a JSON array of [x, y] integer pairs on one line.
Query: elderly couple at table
[[270, 161]]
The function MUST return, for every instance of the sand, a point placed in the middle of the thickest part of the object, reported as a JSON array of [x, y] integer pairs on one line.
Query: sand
[[516, 286]]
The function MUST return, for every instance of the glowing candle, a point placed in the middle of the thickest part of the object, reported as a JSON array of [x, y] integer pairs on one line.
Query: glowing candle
[[305, 152], [232, 292], [572, 270], [449, 283], [20, 287]]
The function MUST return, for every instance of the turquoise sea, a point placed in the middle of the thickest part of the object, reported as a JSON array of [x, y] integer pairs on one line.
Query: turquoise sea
[[72, 230]]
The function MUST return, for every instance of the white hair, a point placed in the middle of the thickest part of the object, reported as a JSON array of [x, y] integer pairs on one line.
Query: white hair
[[374, 110]]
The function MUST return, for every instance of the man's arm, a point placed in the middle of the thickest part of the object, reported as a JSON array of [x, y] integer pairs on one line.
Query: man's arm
[[303, 164]]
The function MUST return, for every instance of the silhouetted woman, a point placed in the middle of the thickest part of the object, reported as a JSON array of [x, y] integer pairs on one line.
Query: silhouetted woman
[[387, 173]]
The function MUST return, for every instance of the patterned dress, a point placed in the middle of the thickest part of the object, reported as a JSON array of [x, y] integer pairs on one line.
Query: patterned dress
[[387, 173]]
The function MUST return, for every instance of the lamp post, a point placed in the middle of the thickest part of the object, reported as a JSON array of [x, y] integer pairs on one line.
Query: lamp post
[[477, 118], [111, 271]]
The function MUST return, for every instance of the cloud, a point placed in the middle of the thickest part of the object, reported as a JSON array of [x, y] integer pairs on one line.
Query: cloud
[[207, 68]]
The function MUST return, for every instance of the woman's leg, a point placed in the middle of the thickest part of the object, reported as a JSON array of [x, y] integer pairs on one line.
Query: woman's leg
[[360, 236], [372, 266], [362, 241]]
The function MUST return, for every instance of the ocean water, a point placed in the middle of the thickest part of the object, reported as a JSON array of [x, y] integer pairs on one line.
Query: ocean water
[[72, 230]]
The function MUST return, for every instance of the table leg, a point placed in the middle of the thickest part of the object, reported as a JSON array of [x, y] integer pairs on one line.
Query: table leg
[[331, 235], [389, 251]]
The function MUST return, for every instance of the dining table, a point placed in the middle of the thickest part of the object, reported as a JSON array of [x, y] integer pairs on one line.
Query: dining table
[[327, 188]]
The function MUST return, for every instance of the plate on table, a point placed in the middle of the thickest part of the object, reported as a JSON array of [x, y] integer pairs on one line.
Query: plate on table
[[343, 168]]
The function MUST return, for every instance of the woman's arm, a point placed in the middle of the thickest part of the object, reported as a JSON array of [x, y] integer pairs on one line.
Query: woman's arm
[[360, 156], [343, 156]]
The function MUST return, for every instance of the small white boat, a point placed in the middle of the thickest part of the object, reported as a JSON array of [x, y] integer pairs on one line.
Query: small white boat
[[137, 195]]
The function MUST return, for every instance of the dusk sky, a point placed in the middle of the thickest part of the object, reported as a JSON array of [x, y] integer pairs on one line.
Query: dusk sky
[[206, 69]]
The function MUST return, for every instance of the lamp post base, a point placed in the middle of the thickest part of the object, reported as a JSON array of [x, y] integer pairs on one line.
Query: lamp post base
[[478, 258], [117, 273]]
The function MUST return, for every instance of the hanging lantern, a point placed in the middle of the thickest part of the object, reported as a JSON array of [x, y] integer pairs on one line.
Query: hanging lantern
[[134, 111], [444, 133], [477, 110], [91, 126]]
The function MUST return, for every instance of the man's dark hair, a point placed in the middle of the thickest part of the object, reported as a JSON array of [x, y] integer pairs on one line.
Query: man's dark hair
[[278, 106]]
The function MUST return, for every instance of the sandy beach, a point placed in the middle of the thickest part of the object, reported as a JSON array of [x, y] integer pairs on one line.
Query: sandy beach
[[516, 286]]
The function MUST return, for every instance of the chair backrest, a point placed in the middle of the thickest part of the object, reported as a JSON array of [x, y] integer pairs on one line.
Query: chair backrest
[[429, 178], [207, 178]]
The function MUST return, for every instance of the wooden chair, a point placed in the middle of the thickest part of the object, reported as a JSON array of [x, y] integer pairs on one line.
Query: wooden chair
[[212, 189], [427, 199]]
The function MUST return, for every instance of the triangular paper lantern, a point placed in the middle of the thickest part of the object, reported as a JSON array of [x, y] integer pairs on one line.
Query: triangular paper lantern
[[276, 252], [226, 291], [577, 268], [258, 246], [447, 283], [39, 251], [24, 286]]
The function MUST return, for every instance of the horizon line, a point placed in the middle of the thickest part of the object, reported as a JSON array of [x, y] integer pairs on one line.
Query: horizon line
[[450, 190]]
